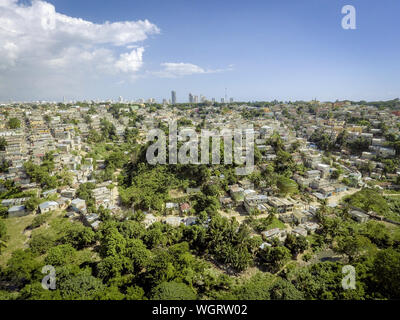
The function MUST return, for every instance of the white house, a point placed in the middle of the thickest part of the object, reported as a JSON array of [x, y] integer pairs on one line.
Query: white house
[[48, 206]]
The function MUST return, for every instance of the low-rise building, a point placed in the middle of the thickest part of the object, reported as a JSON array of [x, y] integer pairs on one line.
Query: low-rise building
[[226, 202], [68, 193], [173, 221], [184, 207], [282, 205], [255, 202], [299, 231], [78, 205], [274, 233], [310, 226], [149, 219], [48, 206], [359, 216], [17, 211]]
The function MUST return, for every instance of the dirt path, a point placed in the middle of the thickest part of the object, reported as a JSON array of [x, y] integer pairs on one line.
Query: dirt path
[[338, 197]]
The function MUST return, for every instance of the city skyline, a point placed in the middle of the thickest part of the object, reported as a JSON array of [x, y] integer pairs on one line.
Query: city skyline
[[263, 51]]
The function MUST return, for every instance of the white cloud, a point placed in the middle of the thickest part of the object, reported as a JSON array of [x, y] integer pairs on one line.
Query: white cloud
[[39, 44], [180, 69], [130, 62]]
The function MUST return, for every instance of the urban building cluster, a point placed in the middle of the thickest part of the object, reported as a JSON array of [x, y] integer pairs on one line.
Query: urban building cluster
[[64, 132]]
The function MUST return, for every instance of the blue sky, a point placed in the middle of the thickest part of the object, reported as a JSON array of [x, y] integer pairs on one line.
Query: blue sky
[[258, 50]]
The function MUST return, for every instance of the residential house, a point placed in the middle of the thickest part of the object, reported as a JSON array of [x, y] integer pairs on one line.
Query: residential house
[[274, 233], [17, 211], [184, 208], [282, 205], [48, 206], [310, 226], [78, 205], [189, 221], [359, 216], [299, 231], [149, 219], [226, 202], [255, 202], [171, 207], [237, 193], [173, 221]]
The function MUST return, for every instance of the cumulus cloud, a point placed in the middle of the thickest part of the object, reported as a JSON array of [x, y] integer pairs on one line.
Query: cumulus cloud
[[37, 44], [180, 69], [130, 62]]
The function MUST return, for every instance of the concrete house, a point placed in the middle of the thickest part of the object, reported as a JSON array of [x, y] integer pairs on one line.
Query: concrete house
[[281, 205], [236, 193], [313, 174], [102, 197], [78, 205], [299, 231], [17, 211], [226, 202], [189, 221], [310, 226], [359, 216], [149, 219], [173, 221], [255, 202], [171, 207], [48, 206], [68, 193], [274, 233]]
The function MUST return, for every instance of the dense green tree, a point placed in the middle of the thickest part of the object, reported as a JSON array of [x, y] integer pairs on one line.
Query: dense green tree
[[295, 244], [82, 286], [368, 200], [160, 269], [14, 123], [274, 258], [285, 290], [354, 246], [32, 203], [137, 253], [134, 293], [78, 236], [386, 273], [41, 243], [108, 130], [35, 291], [173, 291], [112, 267], [22, 267], [60, 255], [256, 288]]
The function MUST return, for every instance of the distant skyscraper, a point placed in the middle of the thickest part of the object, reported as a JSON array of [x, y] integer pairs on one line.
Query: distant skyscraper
[[213, 100], [231, 100], [191, 98], [173, 97], [196, 99], [222, 100]]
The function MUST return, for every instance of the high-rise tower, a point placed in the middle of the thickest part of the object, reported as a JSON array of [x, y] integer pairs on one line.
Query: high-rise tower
[[173, 97]]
